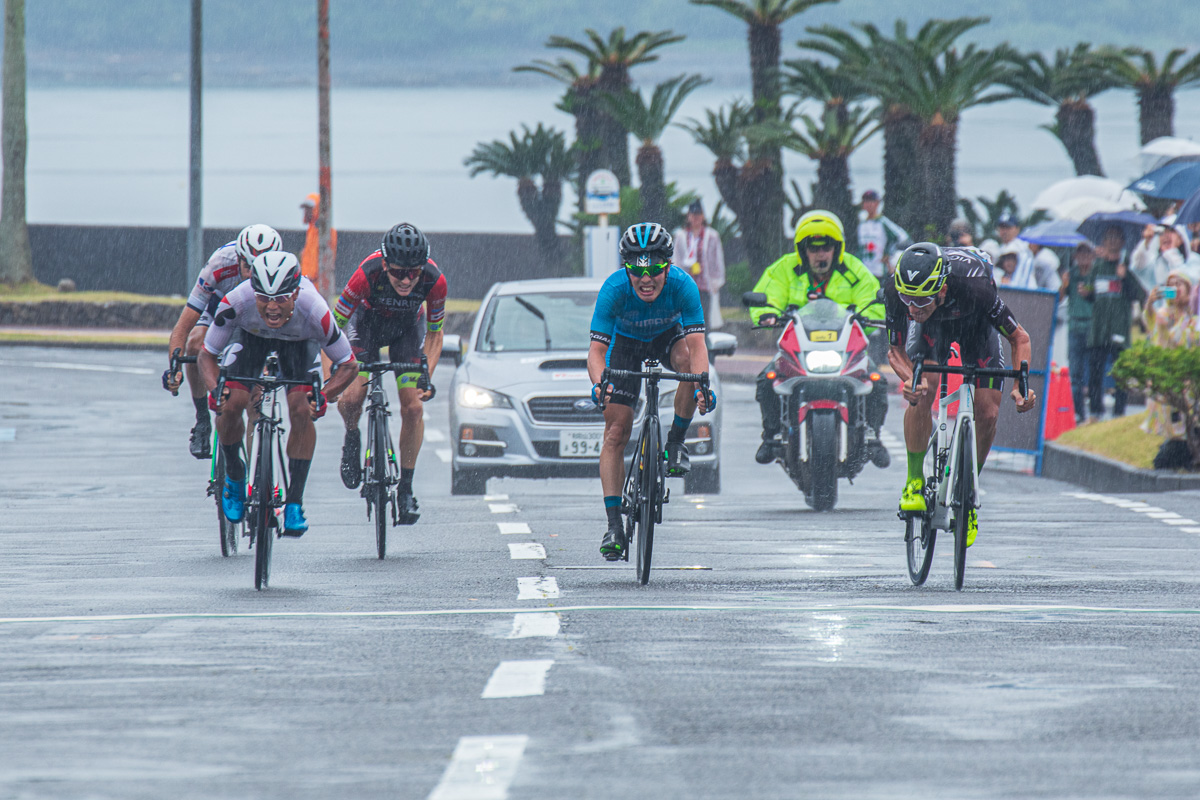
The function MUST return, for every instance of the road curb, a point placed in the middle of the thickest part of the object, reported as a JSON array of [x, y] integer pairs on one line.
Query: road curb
[[1101, 474]]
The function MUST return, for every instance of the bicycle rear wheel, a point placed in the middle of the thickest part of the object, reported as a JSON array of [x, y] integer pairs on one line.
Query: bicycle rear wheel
[[919, 536], [262, 503], [379, 449], [647, 510], [963, 500]]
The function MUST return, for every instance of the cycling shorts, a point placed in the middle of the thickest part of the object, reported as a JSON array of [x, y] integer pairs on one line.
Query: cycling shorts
[[247, 354], [628, 354], [979, 344], [369, 333]]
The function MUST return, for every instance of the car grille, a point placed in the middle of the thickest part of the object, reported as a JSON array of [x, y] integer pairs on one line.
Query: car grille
[[562, 411]]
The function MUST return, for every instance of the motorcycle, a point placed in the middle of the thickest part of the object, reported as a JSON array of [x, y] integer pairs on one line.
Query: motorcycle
[[823, 379]]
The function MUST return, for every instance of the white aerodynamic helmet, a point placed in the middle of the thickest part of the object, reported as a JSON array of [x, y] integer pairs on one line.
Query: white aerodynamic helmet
[[254, 240], [275, 273]]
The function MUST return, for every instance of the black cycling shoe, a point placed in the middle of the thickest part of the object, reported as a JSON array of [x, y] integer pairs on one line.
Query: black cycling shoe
[[200, 445], [879, 455], [766, 452], [678, 462], [351, 458], [612, 547], [407, 511]]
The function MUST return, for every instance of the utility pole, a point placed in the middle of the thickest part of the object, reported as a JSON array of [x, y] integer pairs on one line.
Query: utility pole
[[325, 260], [16, 257], [195, 233]]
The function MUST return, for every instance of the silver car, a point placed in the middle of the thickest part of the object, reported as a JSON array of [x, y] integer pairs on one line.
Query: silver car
[[521, 402]]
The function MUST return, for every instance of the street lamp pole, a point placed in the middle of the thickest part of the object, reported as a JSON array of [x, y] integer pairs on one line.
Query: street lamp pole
[[325, 265], [195, 233]]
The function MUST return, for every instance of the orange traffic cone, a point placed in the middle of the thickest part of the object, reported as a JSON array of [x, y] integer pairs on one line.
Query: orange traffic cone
[[1060, 408]]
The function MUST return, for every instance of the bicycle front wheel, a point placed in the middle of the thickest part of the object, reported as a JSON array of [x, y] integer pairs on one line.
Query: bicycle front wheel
[[963, 501], [648, 508], [919, 535], [262, 504], [379, 459]]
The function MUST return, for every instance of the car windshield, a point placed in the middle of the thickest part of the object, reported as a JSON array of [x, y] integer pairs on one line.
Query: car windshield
[[537, 321]]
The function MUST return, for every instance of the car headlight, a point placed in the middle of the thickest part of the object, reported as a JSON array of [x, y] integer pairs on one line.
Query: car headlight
[[823, 361], [469, 396]]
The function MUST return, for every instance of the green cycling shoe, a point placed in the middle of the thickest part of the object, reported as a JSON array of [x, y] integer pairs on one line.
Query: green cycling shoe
[[913, 496]]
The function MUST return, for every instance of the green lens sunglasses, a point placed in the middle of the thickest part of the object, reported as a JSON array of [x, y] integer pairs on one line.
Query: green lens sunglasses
[[652, 271]]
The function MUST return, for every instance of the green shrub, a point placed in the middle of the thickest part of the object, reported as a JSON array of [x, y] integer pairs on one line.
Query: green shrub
[[1171, 375]]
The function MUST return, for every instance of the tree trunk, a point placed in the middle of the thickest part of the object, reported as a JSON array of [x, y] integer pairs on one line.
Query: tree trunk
[[901, 177], [764, 43], [937, 144], [833, 194], [1156, 112], [760, 232], [16, 258], [614, 138], [546, 226], [654, 190], [725, 175], [1077, 130], [581, 99]]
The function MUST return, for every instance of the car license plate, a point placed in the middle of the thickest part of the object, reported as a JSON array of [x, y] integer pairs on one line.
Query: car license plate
[[580, 444]]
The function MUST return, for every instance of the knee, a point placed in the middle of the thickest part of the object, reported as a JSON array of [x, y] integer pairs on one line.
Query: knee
[[412, 413], [616, 434], [986, 414]]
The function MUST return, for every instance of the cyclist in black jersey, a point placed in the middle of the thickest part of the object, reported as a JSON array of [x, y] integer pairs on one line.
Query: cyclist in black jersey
[[941, 295]]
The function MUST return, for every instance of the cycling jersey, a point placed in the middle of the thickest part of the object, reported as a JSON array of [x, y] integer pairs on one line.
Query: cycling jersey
[[619, 310], [370, 288], [311, 320], [221, 273]]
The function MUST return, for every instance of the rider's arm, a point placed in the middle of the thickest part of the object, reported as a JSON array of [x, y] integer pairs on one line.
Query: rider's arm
[[357, 289], [604, 322], [435, 308], [344, 365], [597, 352], [179, 334], [209, 369], [698, 348], [900, 363], [865, 292], [775, 283]]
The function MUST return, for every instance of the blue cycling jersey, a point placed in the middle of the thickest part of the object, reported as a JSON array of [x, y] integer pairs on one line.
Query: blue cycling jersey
[[620, 311]]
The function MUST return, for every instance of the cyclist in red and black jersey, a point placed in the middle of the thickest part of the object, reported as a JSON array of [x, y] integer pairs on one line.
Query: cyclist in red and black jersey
[[397, 298]]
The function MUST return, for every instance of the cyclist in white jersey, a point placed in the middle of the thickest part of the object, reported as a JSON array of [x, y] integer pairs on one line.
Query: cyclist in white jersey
[[227, 267], [277, 309]]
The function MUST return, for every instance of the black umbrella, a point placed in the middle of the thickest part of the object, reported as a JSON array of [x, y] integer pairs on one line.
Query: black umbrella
[[1131, 223]]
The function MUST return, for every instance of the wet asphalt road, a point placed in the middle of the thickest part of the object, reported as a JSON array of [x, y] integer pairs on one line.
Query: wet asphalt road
[[138, 663]]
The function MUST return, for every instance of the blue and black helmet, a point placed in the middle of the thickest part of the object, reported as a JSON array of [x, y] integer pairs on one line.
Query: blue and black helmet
[[645, 244]]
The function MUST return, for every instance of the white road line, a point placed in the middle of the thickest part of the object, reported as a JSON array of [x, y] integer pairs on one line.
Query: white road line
[[494, 498], [444, 454], [80, 367], [526, 626], [1163, 515], [518, 679], [1148, 510], [513, 527], [8, 434], [434, 435], [1180, 521], [537, 588], [503, 508], [481, 768], [1190, 530], [526, 550]]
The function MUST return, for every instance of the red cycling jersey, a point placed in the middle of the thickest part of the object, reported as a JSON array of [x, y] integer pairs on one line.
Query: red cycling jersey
[[370, 288]]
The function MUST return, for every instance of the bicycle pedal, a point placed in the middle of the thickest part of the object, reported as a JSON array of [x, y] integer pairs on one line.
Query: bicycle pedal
[[666, 495]]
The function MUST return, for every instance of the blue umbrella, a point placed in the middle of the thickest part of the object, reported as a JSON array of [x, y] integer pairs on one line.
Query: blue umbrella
[[1054, 233], [1131, 223], [1189, 212], [1176, 180]]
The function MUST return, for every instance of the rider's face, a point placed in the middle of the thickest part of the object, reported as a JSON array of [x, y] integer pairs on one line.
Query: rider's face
[[922, 313], [403, 279], [820, 259], [276, 311], [647, 287]]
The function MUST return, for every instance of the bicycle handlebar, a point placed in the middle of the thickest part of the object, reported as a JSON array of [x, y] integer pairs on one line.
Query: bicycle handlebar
[[423, 383], [1022, 374], [683, 377]]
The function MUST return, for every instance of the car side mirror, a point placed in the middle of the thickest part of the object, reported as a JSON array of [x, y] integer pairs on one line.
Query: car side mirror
[[721, 344], [452, 348], [754, 299]]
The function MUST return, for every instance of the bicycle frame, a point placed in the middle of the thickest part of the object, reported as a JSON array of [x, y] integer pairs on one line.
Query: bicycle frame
[[948, 452]]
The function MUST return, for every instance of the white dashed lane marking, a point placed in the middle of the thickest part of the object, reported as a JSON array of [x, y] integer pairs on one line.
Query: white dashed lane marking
[[526, 550], [513, 527], [537, 588], [1178, 521], [518, 679], [494, 498], [481, 768], [526, 626], [503, 508]]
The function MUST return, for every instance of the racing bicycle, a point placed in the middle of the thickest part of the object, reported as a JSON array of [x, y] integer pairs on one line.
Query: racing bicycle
[[952, 475], [645, 489]]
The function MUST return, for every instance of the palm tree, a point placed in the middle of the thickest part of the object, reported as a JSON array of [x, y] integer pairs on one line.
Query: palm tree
[[580, 101], [647, 121], [611, 60], [541, 153], [1155, 85], [764, 20], [16, 258], [836, 86], [723, 134], [1068, 82]]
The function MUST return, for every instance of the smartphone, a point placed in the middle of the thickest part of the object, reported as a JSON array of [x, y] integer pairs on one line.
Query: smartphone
[[1169, 293]]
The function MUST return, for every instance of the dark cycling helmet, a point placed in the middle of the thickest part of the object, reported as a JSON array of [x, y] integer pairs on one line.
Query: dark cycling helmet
[[921, 270], [274, 273], [645, 244], [405, 246]]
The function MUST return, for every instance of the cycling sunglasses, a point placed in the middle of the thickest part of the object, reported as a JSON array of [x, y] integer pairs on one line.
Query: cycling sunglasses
[[917, 302], [405, 273], [277, 298], [652, 271]]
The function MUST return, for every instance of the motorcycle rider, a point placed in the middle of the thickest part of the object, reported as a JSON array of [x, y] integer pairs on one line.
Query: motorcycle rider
[[819, 268]]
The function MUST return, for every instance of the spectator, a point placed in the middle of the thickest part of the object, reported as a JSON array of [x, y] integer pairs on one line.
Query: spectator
[[1112, 312], [699, 253], [1158, 254], [879, 239], [1077, 289], [309, 256], [1172, 325], [1008, 228], [1005, 272], [960, 234], [1045, 266]]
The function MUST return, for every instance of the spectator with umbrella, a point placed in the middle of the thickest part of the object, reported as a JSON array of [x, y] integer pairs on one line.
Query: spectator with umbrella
[[1079, 291], [1112, 313]]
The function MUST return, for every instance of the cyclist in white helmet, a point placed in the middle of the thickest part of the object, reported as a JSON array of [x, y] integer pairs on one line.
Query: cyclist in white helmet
[[228, 266]]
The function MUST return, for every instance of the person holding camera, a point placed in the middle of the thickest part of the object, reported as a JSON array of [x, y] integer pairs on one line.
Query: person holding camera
[[1171, 325]]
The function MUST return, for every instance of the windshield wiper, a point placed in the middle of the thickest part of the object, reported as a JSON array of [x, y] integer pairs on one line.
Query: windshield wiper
[[537, 312]]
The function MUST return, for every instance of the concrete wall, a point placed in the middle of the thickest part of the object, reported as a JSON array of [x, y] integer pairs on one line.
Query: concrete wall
[[152, 260]]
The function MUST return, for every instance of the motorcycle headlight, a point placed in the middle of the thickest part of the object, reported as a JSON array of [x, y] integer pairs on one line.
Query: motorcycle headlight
[[823, 361], [469, 396]]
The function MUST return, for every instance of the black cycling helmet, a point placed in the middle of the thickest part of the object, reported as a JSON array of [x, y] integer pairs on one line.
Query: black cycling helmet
[[646, 242], [921, 270], [405, 246]]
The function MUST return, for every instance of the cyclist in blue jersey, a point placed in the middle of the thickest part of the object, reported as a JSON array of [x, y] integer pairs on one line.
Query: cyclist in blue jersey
[[649, 309]]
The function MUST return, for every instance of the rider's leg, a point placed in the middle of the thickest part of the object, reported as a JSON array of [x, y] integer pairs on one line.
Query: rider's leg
[[350, 404], [231, 428], [302, 441], [618, 424], [987, 411], [768, 404], [412, 434], [685, 408], [195, 342]]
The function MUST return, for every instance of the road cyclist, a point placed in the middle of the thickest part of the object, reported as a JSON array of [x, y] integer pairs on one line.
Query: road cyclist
[[647, 309], [397, 298], [227, 267], [279, 311]]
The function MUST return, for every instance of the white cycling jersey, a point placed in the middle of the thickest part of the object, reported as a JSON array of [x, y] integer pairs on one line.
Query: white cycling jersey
[[220, 275], [310, 321]]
